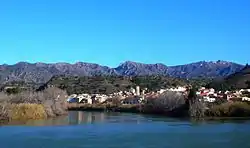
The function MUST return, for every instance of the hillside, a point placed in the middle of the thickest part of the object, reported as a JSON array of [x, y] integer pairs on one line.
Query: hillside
[[42, 72], [238, 80], [110, 84]]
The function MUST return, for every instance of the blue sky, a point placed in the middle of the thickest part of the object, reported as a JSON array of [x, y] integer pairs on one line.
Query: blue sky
[[109, 32]]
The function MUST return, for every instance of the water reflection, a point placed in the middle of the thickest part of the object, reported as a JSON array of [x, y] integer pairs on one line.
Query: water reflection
[[86, 117], [80, 117], [129, 130]]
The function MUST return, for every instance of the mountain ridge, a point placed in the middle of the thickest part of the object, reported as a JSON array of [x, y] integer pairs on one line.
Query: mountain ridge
[[41, 72]]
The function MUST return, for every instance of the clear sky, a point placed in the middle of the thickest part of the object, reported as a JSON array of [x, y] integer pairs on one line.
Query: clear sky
[[109, 32]]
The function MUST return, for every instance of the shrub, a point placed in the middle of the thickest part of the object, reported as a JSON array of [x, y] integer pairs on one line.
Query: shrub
[[26, 97], [168, 102], [25, 111], [51, 101], [14, 90], [230, 109], [54, 101], [4, 112], [197, 109], [3, 97], [114, 101]]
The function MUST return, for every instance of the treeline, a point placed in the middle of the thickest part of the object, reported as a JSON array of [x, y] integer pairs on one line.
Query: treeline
[[104, 84], [15, 87], [238, 80], [110, 84]]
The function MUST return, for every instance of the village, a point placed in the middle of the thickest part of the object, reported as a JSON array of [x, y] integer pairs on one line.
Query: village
[[138, 96]]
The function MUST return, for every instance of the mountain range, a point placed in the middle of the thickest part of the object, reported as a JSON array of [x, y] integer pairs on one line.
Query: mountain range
[[42, 72]]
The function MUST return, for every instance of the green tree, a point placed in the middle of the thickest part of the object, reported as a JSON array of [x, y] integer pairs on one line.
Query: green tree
[[192, 95], [14, 90]]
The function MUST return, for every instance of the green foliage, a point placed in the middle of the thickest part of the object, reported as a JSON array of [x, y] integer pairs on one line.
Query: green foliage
[[192, 94], [14, 90], [221, 85], [200, 82], [156, 82], [110, 84]]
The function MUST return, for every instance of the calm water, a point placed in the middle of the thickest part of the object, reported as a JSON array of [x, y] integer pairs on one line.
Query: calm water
[[116, 130]]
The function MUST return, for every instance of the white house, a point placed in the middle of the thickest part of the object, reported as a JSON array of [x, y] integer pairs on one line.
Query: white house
[[245, 99], [84, 98]]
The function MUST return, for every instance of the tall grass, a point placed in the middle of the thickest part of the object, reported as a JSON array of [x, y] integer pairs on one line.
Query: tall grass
[[33, 105], [4, 112], [230, 109], [26, 111], [197, 109]]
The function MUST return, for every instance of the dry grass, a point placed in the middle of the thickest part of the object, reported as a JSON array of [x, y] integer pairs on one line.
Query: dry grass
[[26, 111], [4, 97], [197, 109], [4, 112], [33, 105], [230, 109]]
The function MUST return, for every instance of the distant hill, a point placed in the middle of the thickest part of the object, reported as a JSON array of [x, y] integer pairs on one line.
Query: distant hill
[[238, 80], [42, 72]]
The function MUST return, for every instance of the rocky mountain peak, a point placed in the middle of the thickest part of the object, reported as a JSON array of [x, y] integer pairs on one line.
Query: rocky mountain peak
[[42, 72]]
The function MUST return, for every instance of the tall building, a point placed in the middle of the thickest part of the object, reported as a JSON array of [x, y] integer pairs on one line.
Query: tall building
[[138, 90], [143, 94]]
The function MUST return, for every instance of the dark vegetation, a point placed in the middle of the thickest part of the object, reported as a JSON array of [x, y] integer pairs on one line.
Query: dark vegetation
[[15, 87], [200, 82], [170, 103], [173, 104], [26, 105], [104, 84], [111, 84], [238, 80]]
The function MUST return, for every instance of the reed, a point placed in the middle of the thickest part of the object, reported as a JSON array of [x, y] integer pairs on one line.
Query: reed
[[4, 111], [230, 109], [33, 105], [27, 111]]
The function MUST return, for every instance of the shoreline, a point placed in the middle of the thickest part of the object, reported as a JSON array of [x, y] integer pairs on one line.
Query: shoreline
[[134, 109]]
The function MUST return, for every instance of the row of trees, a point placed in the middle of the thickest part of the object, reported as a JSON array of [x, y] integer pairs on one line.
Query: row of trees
[[110, 84]]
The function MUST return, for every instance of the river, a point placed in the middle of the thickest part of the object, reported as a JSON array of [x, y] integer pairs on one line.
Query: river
[[121, 130]]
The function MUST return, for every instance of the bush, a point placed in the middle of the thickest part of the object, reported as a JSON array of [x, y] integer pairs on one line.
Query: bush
[[14, 90], [197, 109], [172, 103], [33, 105], [26, 111], [230, 109], [3, 97], [4, 112], [55, 101]]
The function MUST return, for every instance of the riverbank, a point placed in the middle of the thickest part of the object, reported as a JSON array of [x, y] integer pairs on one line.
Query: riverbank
[[124, 130], [104, 107], [228, 110], [52, 102]]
